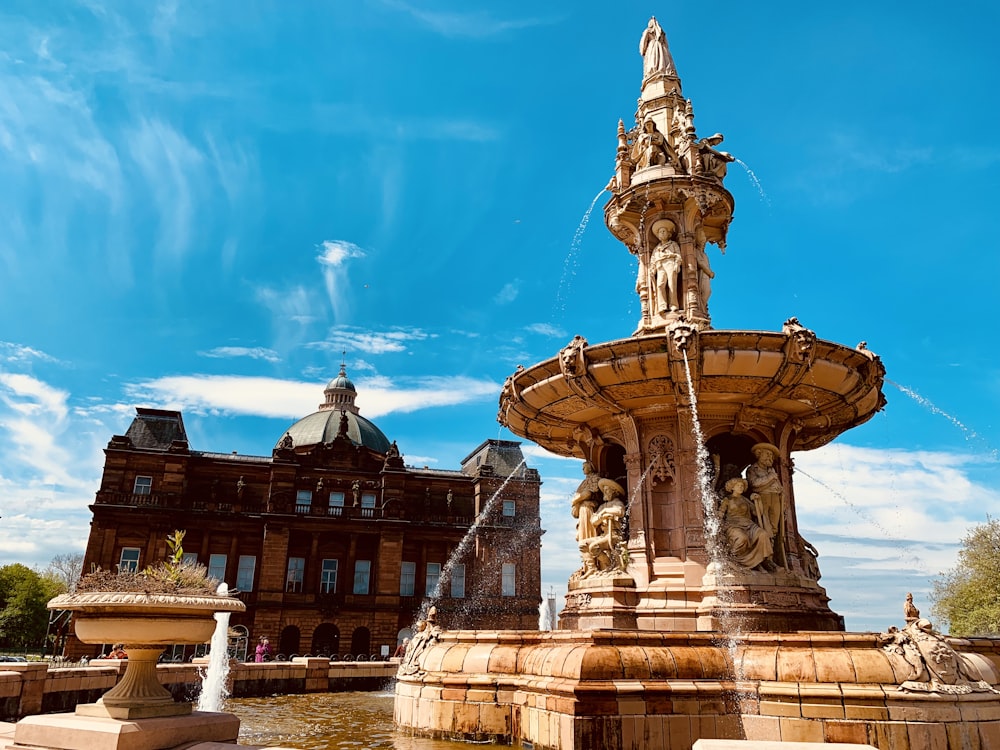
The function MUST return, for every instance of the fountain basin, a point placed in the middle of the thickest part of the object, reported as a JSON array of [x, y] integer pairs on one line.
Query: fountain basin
[[621, 689], [826, 389], [145, 624]]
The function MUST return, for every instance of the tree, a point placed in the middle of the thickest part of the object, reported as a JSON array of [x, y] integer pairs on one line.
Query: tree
[[66, 569], [968, 595], [23, 614]]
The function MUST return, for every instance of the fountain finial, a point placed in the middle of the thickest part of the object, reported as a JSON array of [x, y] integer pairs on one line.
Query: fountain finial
[[656, 58]]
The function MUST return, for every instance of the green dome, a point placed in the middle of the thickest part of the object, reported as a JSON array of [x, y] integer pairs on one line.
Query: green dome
[[322, 427]]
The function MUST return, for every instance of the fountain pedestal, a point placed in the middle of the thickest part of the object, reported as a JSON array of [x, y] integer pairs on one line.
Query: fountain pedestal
[[600, 603]]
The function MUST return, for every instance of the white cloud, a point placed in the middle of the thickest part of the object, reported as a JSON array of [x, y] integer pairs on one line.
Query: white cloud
[[546, 329], [255, 352], [333, 257], [475, 25], [10, 352], [271, 397], [348, 338], [509, 293]]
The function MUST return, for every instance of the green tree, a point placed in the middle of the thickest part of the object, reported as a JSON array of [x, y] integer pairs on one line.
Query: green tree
[[968, 595], [23, 615]]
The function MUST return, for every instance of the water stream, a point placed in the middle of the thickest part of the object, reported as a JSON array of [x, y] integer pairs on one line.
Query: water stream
[[463, 546], [754, 181], [213, 684], [573, 258], [970, 435]]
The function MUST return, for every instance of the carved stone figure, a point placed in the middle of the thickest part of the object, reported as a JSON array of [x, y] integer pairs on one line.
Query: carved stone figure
[[427, 633], [804, 338], [705, 273], [241, 487], [749, 544], [764, 482], [572, 359], [666, 265], [356, 491], [651, 148], [910, 611], [933, 665], [712, 162], [286, 443], [604, 552], [655, 52], [810, 560], [584, 502]]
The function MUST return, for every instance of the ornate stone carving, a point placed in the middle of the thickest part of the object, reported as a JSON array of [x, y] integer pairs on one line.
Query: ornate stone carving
[[661, 455], [910, 611], [651, 148], [766, 489], [428, 633], [803, 338], [931, 664], [599, 507], [656, 57], [665, 266], [680, 333], [577, 601], [572, 359], [744, 527]]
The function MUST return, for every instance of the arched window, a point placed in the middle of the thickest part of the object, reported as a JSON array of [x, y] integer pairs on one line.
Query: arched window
[[288, 644], [361, 641], [326, 639]]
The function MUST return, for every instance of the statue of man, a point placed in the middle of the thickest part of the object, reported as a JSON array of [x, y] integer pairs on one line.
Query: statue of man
[[655, 52], [666, 263], [765, 486]]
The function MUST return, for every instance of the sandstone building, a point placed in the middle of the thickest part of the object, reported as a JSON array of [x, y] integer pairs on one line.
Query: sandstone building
[[332, 541]]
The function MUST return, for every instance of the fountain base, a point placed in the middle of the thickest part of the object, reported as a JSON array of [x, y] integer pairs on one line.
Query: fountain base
[[77, 732], [625, 690]]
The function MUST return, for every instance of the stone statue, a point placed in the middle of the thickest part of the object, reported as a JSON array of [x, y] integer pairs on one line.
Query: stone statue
[[705, 273], [810, 560], [711, 162], [241, 487], [356, 491], [666, 265], [765, 484], [749, 544], [286, 443], [930, 662], [604, 552], [655, 53], [910, 611], [427, 634], [584, 502], [650, 148]]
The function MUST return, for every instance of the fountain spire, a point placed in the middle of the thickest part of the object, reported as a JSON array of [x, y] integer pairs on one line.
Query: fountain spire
[[668, 201]]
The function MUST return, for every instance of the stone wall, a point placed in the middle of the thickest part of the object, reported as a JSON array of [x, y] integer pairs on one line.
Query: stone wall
[[37, 688]]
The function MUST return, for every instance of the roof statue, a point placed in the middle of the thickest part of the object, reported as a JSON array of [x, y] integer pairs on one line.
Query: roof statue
[[655, 52]]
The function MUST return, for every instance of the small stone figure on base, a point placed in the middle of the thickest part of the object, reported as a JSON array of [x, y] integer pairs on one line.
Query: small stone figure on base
[[749, 544]]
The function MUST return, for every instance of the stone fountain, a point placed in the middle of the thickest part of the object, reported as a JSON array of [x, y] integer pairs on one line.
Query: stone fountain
[[697, 611]]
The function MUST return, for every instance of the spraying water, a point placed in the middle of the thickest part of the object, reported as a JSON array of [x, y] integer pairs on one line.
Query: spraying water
[[463, 546], [970, 434], [213, 684], [572, 259], [755, 182]]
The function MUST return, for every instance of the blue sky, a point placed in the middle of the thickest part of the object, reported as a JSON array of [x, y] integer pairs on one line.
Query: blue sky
[[203, 205]]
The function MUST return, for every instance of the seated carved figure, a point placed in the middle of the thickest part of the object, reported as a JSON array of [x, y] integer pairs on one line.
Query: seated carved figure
[[604, 551], [749, 544]]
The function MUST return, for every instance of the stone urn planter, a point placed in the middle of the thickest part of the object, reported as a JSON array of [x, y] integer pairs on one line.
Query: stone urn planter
[[145, 623]]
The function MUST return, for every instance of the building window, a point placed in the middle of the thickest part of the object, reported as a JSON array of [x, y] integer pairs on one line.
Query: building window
[[362, 575], [407, 578], [336, 504], [508, 584], [143, 486], [129, 561], [245, 571], [303, 501], [189, 558], [458, 581], [433, 587], [295, 574], [328, 577], [508, 508], [217, 567], [368, 505]]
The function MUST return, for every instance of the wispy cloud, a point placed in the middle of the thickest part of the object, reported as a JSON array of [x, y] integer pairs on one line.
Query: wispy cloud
[[477, 25], [12, 353], [508, 293], [546, 329], [351, 339], [254, 352], [333, 257], [272, 397]]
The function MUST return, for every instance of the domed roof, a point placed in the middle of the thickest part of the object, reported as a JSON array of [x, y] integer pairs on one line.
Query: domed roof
[[324, 425]]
